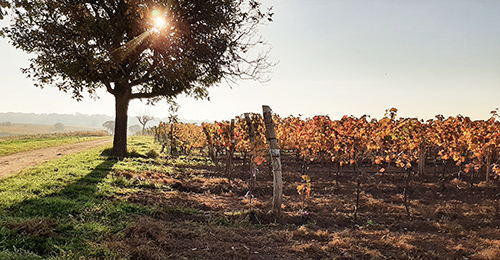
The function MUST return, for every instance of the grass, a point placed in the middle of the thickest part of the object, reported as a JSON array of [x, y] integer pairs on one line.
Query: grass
[[63, 209], [12, 145]]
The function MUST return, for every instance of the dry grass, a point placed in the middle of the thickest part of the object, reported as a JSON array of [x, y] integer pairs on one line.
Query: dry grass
[[203, 217], [41, 227]]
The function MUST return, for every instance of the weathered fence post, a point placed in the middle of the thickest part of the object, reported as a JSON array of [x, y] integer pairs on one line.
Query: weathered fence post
[[230, 153], [421, 159], [172, 144], [211, 152], [489, 152], [275, 161], [253, 152]]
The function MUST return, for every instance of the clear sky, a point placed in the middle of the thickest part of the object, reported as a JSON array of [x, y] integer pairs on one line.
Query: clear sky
[[336, 57]]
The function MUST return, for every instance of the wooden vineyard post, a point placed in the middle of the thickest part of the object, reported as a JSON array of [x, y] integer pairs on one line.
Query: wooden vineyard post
[[253, 153], [488, 164], [275, 161], [421, 159], [172, 145], [358, 192], [211, 153], [443, 176], [164, 138], [165, 131], [406, 190], [229, 162]]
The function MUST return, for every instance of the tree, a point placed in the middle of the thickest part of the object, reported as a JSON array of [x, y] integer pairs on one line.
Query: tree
[[139, 49], [110, 126], [134, 129], [143, 120], [59, 127]]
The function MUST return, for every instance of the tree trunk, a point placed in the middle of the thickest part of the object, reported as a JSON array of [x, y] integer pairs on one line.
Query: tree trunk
[[275, 161], [121, 116]]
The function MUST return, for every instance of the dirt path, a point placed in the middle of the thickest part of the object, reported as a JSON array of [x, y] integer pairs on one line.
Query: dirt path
[[15, 162]]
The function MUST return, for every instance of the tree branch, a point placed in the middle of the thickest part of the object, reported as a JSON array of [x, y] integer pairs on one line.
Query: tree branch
[[108, 86], [143, 95], [154, 94]]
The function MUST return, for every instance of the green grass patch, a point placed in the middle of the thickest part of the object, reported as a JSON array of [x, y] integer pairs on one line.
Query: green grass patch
[[143, 147], [72, 207], [18, 144], [64, 209]]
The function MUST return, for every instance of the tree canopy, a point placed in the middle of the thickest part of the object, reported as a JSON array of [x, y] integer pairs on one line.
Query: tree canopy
[[139, 49], [3, 5]]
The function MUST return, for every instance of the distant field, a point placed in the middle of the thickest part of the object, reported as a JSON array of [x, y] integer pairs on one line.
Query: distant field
[[30, 129], [22, 143]]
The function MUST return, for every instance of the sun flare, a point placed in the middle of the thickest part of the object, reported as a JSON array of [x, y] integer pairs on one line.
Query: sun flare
[[158, 20], [159, 23]]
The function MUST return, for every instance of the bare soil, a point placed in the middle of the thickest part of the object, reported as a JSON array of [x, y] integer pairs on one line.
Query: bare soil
[[205, 216], [16, 162]]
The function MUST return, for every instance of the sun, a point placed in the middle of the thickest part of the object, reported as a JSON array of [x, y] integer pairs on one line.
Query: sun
[[159, 23]]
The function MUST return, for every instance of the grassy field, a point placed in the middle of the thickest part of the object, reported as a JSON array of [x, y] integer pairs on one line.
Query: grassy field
[[22, 143], [32, 129], [64, 209], [93, 206]]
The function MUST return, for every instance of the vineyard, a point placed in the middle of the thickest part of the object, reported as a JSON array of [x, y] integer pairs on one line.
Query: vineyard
[[453, 151], [353, 188], [409, 144]]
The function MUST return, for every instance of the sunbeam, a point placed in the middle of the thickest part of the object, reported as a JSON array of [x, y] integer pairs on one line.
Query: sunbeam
[[124, 51], [121, 53]]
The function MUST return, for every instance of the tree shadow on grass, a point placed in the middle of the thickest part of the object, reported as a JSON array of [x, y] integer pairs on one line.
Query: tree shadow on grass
[[70, 200], [66, 222]]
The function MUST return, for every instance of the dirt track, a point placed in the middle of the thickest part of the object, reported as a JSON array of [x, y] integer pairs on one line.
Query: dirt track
[[13, 163]]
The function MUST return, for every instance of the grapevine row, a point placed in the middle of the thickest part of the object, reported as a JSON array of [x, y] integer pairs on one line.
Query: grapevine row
[[392, 140]]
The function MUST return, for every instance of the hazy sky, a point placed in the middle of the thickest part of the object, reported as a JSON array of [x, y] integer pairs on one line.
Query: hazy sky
[[335, 57]]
